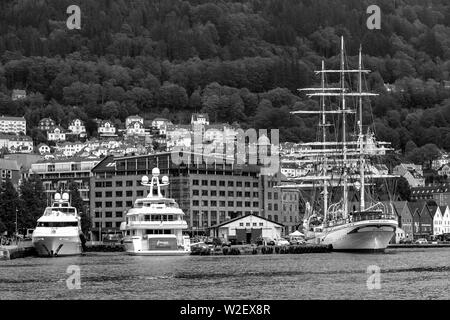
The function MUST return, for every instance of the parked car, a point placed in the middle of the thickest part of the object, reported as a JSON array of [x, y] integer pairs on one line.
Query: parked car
[[421, 241], [281, 242], [112, 238], [265, 241], [297, 241], [406, 241]]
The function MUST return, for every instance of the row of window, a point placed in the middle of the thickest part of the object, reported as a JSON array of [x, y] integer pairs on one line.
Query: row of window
[[109, 214], [108, 184], [248, 224], [213, 203], [108, 224], [222, 183], [128, 193], [109, 204], [222, 193]]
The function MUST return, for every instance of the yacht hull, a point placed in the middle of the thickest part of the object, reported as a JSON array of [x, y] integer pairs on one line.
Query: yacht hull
[[159, 253], [52, 246], [365, 236]]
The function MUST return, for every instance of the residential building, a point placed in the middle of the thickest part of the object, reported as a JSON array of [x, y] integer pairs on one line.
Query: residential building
[[18, 94], [439, 162], [20, 144], [46, 124], [444, 170], [405, 219], [438, 228], [56, 134], [439, 193], [412, 173], [43, 148], [445, 220], [129, 120], [247, 229], [69, 149], [57, 174], [200, 119], [106, 128], [14, 125], [422, 219], [77, 127], [135, 128], [208, 191], [10, 169]]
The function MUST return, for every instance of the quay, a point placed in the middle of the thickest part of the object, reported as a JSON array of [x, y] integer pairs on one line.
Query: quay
[[252, 250], [98, 246], [24, 249], [416, 245]]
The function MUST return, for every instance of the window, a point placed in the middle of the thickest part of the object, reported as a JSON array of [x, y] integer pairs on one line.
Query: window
[[108, 224], [230, 203], [213, 203], [238, 203], [98, 194], [222, 183], [247, 184], [213, 193], [97, 214], [108, 214], [129, 193], [118, 224], [254, 224], [119, 214], [119, 193], [119, 204], [204, 182], [195, 202], [222, 193], [255, 194], [231, 193], [222, 203], [108, 184], [269, 217], [238, 183], [241, 224], [269, 195], [247, 194], [276, 218], [204, 192], [129, 183], [195, 192], [275, 206], [255, 204], [270, 206], [261, 224], [118, 183], [255, 184], [238, 193], [205, 203], [98, 204], [275, 195], [129, 203], [213, 182], [195, 182], [98, 184], [247, 204], [108, 204], [247, 224], [231, 183], [108, 194], [140, 193], [97, 224]]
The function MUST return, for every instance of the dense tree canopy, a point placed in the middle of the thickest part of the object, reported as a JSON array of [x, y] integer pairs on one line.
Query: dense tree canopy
[[237, 60]]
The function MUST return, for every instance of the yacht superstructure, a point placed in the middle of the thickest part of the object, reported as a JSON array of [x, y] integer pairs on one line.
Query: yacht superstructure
[[58, 231], [155, 224]]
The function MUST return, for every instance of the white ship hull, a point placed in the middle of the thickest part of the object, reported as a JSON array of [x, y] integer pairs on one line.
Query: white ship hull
[[370, 235], [140, 247], [52, 246]]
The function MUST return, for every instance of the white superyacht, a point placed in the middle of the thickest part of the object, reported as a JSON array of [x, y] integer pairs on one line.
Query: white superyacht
[[58, 230], [155, 224], [342, 160]]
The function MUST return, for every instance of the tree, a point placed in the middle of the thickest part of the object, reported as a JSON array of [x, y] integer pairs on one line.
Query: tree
[[77, 202], [9, 200], [403, 189], [32, 201]]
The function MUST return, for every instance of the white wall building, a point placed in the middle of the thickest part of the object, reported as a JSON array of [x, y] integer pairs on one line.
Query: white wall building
[[445, 221], [43, 148], [135, 128], [77, 127], [69, 149], [248, 229], [437, 220], [129, 120], [106, 128], [20, 144], [13, 124], [57, 134]]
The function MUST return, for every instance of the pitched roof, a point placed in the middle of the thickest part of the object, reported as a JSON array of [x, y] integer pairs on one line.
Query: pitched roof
[[12, 118], [242, 217]]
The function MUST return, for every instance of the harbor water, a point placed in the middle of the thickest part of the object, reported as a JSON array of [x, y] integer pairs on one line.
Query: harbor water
[[405, 274]]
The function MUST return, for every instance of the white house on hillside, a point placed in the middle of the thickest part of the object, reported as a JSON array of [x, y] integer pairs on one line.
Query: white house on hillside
[[43, 148], [199, 118], [135, 128], [77, 127], [412, 173], [106, 129], [129, 120], [56, 134]]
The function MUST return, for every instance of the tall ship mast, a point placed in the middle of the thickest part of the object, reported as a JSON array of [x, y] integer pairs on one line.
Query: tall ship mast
[[342, 162]]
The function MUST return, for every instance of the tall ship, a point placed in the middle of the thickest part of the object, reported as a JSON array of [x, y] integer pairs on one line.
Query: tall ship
[[155, 224], [58, 231], [344, 212]]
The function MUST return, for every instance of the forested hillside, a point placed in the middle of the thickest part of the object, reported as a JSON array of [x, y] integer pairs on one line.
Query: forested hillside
[[240, 61]]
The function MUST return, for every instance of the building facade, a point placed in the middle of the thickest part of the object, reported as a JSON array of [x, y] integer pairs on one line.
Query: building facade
[[15, 125], [208, 193]]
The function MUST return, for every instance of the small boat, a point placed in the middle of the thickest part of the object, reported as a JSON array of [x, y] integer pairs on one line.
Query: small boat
[[58, 231], [155, 224]]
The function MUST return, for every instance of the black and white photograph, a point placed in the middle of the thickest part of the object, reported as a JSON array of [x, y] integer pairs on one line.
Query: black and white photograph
[[224, 153]]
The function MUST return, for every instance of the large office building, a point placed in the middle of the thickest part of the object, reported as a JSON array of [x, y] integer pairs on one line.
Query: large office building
[[209, 192]]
